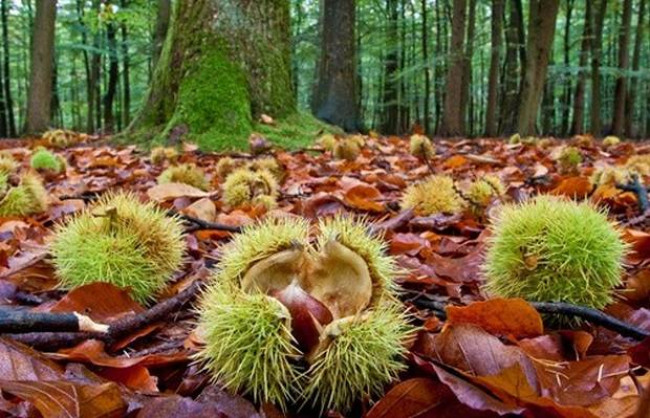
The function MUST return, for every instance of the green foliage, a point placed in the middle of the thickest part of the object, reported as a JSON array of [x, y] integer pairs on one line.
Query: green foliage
[[551, 250], [120, 241], [185, 173], [296, 130], [45, 160]]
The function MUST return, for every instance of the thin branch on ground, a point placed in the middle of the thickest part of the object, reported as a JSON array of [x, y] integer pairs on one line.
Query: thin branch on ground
[[204, 225], [21, 321], [641, 192], [118, 329], [594, 316]]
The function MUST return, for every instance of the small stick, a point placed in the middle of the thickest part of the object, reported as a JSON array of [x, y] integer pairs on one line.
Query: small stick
[[205, 224], [641, 192], [116, 330], [559, 308], [19, 322]]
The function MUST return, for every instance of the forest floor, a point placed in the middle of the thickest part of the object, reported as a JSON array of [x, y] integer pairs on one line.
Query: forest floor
[[487, 359]]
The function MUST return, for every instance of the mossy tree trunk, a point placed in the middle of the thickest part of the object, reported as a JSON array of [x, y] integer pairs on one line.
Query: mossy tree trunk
[[223, 63]]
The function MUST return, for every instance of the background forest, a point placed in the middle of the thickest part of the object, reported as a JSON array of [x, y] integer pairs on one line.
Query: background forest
[[452, 67]]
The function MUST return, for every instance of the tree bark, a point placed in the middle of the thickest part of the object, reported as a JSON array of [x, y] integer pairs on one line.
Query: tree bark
[[335, 98], [210, 87], [541, 27], [634, 81], [466, 109], [596, 56], [618, 123], [566, 101], [427, 71], [6, 74], [510, 91], [40, 78], [113, 75], [391, 85], [579, 96], [162, 26], [452, 117], [126, 70], [491, 125]]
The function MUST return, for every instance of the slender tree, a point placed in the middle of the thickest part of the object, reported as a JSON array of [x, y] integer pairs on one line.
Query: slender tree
[[452, 117], [113, 75], [162, 24], [214, 88], [335, 95], [514, 65], [577, 126], [566, 99], [390, 117], [618, 123], [636, 62], [491, 125], [42, 58], [600, 8], [426, 118], [6, 72], [541, 27], [465, 98], [126, 71]]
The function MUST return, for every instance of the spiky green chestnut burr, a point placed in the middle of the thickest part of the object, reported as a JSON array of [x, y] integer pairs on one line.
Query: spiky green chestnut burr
[[610, 141], [482, 191], [249, 347], [121, 241], [433, 195], [28, 197], [421, 146], [7, 164], [569, 159], [185, 173], [44, 160], [357, 356], [161, 154], [227, 165], [343, 315], [243, 186], [327, 141], [347, 149], [552, 250], [269, 164]]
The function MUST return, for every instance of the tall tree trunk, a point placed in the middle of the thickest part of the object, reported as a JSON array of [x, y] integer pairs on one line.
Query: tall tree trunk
[[541, 27], [11, 120], [335, 96], [126, 70], [596, 56], [40, 77], [113, 74], [512, 73], [634, 82], [566, 101], [3, 109], [579, 97], [391, 84], [452, 117], [491, 126], [618, 124], [212, 90], [427, 70], [162, 25], [465, 97], [438, 68]]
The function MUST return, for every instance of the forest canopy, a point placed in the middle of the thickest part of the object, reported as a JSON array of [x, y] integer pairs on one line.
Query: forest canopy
[[450, 68]]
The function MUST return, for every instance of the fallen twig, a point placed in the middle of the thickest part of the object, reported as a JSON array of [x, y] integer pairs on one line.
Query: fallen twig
[[205, 224], [21, 321], [641, 192], [559, 308], [116, 330]]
